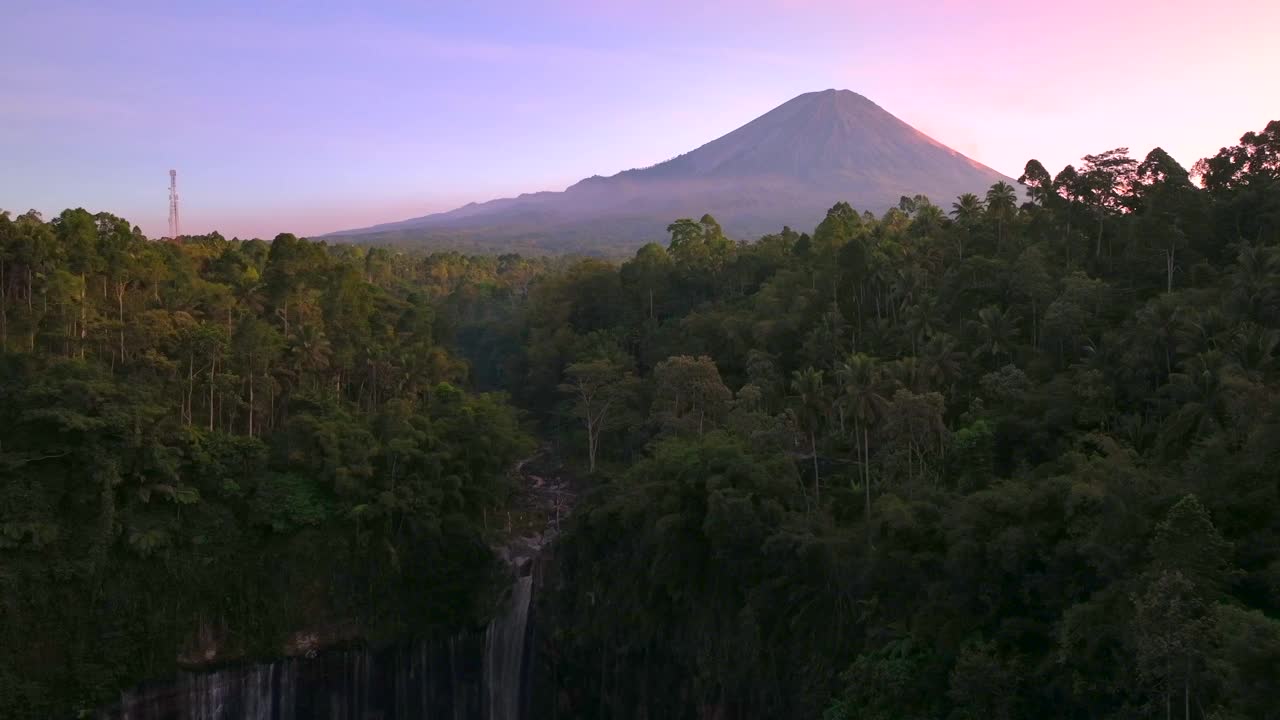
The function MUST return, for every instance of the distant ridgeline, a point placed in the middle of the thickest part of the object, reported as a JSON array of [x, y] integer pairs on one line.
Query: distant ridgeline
[[992, 458]]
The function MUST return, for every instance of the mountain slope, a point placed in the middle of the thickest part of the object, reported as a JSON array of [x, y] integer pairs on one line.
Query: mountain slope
[[783, 168]]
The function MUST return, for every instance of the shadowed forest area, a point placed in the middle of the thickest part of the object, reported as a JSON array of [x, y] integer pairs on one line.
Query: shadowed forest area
[[1000, 456]]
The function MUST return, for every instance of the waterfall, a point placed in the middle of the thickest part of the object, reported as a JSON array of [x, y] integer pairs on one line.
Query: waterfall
[[470, 676], [504, 655]]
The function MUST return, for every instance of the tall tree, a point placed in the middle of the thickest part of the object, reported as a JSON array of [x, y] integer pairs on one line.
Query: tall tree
[[809, 403], [649, 272], [997, 331], [1105, 180], [689, 394], [967, 211], [1039, 184], [598, 388], [857, 379], [1001, 203]]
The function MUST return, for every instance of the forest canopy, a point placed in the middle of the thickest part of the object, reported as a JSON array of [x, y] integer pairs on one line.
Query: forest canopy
[[209, 446], [1011, 454]]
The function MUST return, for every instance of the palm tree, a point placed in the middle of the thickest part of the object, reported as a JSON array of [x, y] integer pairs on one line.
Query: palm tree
[[1001, 206], [310, 350], [810, 405], [997, 329], [923, 320], [928, 219], [1203, 331], [906, 372], [858, 377], [1200, 394], [1256, 277], [967, 211], [1158, 322], [1253, 348], [944, 362]]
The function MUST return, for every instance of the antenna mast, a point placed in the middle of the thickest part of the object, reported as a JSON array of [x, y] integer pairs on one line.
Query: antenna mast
[[175, 229]]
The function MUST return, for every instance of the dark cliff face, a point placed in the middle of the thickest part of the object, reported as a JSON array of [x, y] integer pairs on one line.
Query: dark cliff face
[[474, 675], [443, 679], [786, 167]]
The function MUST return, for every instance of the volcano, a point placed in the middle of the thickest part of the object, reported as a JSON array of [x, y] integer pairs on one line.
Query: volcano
[[786, 167]]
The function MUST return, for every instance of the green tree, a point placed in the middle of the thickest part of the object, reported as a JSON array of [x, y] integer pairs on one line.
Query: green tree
[[650, 273], [689, 394], [809, 403], [997, 331], [699, 246], [1187, 542], [967, 211], [258, 346], [1105, 180], [598, 389], [1002, 206], [1039, 184], [857, 379]]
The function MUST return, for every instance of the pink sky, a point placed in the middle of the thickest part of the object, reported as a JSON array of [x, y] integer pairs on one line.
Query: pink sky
[[323, 116]]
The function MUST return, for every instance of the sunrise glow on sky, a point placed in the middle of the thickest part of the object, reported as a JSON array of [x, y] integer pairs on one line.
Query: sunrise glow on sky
[[315, 116]]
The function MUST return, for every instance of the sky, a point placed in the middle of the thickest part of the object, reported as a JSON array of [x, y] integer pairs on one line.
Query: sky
[[312, 116]]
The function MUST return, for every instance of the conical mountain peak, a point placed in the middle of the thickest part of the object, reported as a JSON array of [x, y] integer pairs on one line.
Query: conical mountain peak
[[812, 137], [783, 168], [832, 95]]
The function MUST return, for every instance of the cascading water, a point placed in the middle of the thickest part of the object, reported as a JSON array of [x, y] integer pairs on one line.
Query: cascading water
[[471, 676], [426, 680], [504, 655]]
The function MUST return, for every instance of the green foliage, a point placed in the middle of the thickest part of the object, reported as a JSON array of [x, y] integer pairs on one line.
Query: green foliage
[[287, 503], [1010, 461], [886, 685], [206, 447], [1022, 458], [1187, 542]]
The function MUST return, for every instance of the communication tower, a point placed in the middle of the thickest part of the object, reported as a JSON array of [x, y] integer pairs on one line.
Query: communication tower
[[175, 228]]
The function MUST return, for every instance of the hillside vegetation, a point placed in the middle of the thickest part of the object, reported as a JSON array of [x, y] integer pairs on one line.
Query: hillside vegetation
[[211, 449], [977, 459], [981, 460]]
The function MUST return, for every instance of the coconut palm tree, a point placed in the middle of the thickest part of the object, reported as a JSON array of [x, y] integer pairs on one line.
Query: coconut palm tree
[[1204, 330], [944, 362], [924, 320], [858, 378], [928, 219], [1158, 324], [1256, 278], [1199, 392], [1002, 205], [906, 372], [310, 351], [967, 211], [1254, 350], [997, 330], [809, 402]]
